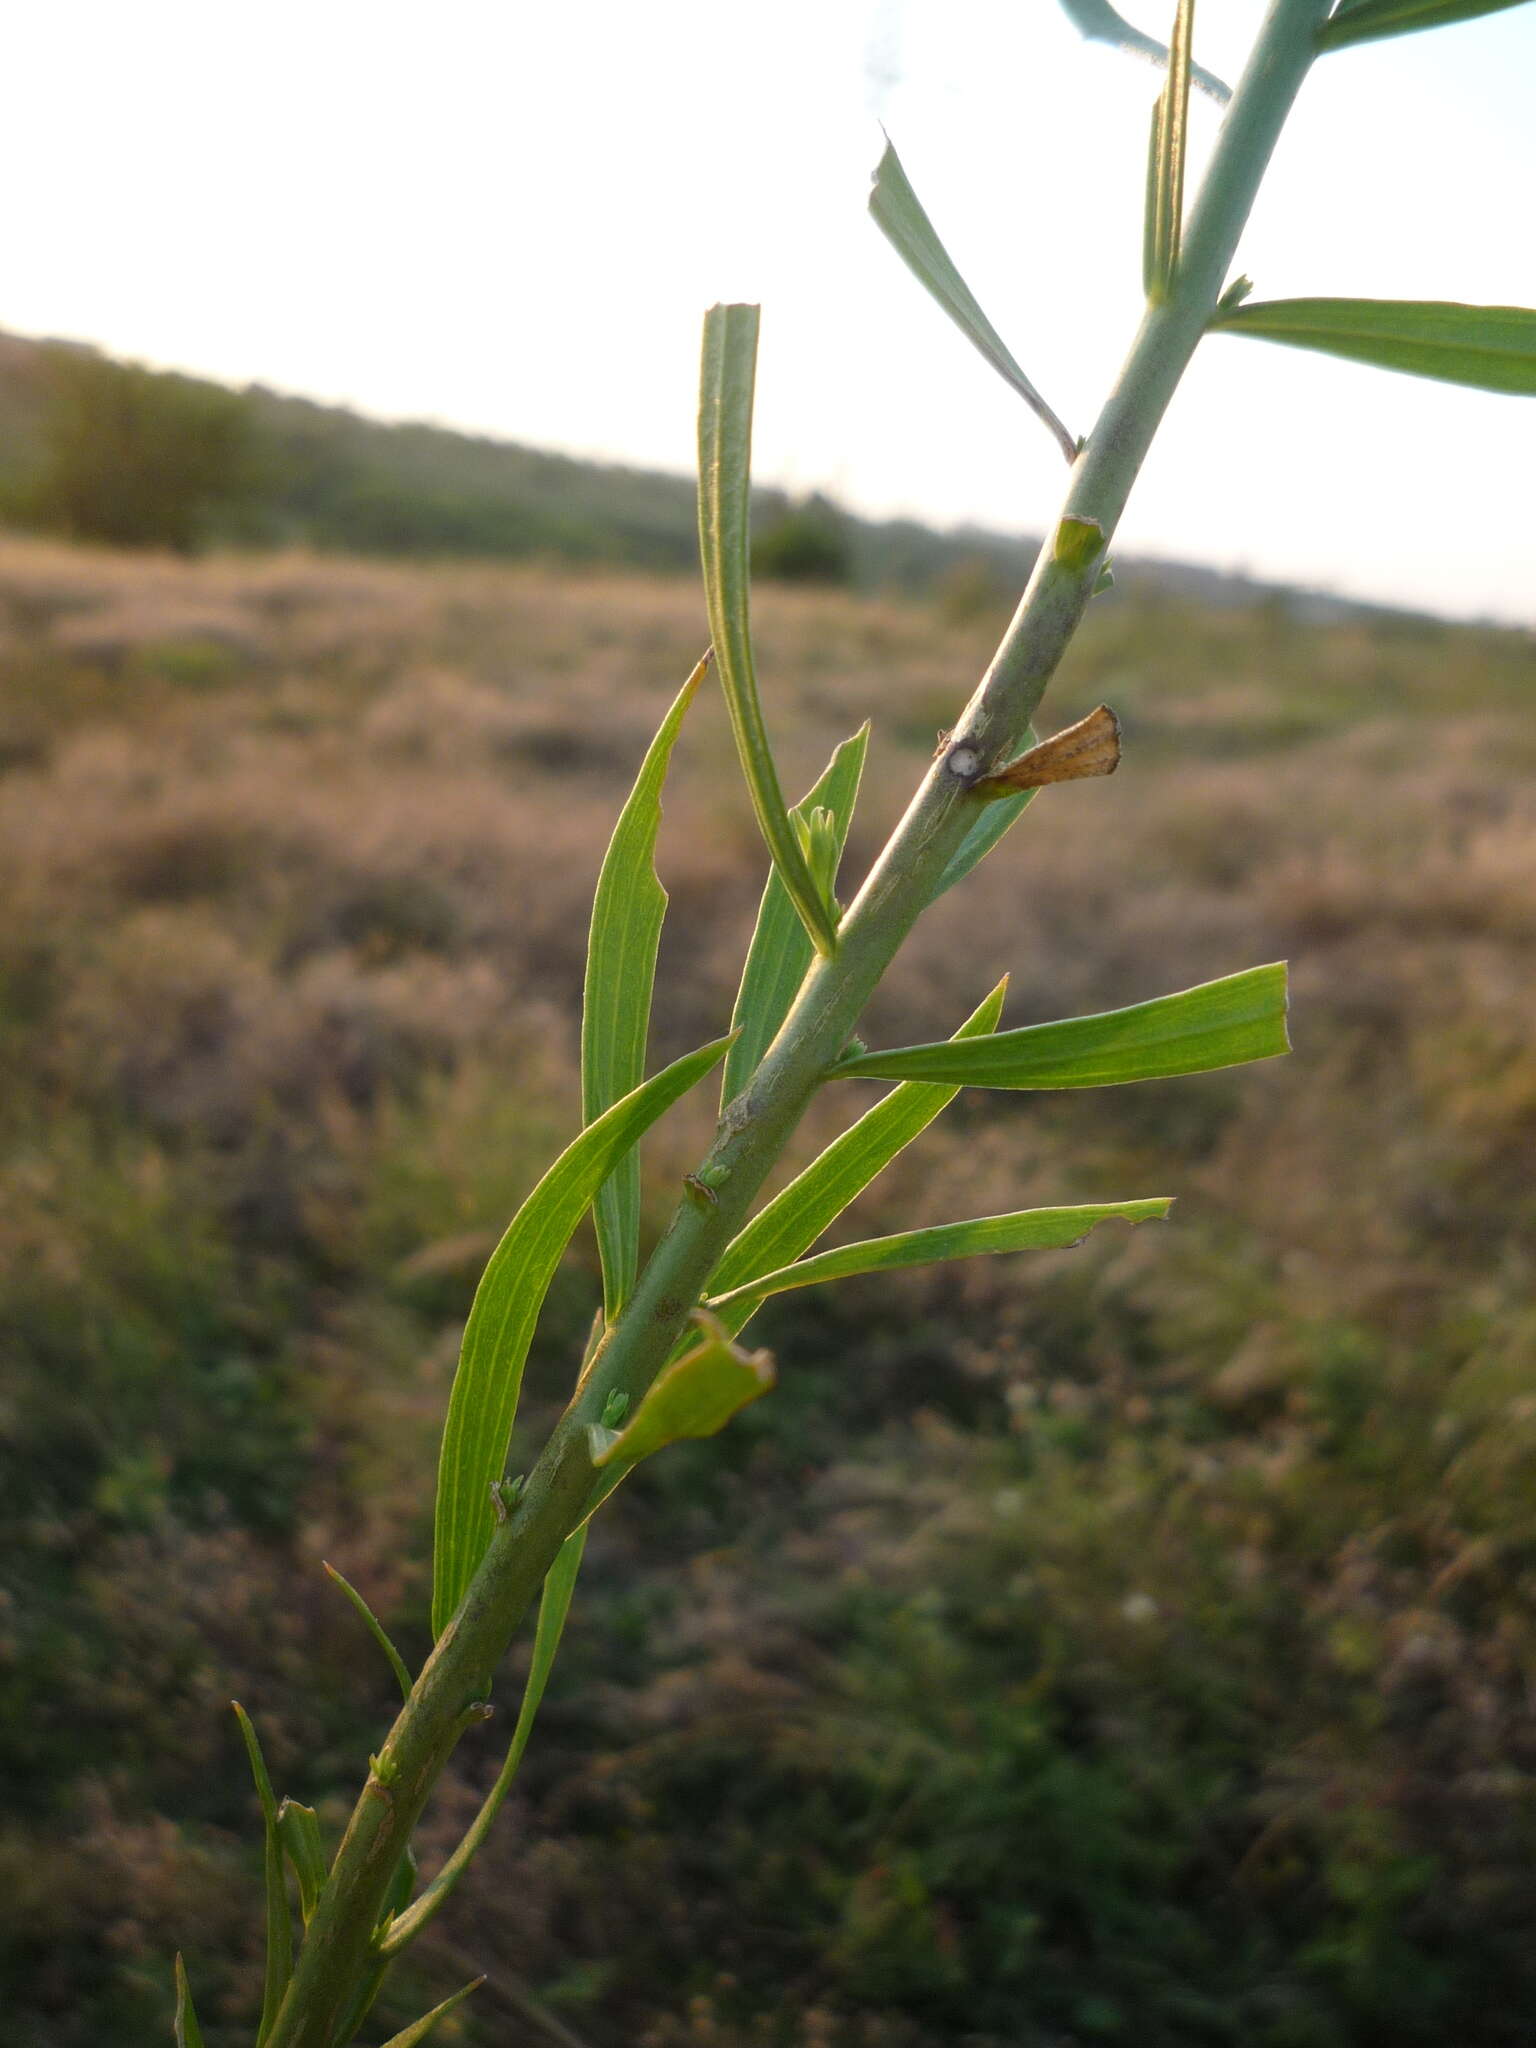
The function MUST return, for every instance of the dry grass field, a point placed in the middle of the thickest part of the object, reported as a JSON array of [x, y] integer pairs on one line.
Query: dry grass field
[[1129, 1645]]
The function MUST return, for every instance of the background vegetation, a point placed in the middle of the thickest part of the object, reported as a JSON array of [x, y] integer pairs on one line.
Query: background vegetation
[[1130, 1645]]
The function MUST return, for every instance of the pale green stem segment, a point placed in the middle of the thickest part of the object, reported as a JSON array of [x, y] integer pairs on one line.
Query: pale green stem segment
[[1222, 1023], [1359, 21], [898, 213], [1491, 347], [781, 950], [1165, 168], [1097, 22], [627, 914], [483, 1404], [799, 1213], [279, 1963], [1022, 1230], [374, 1627], [727, 376], [188, 2033], [418, 2030], [559, 1490], [553, 1609]]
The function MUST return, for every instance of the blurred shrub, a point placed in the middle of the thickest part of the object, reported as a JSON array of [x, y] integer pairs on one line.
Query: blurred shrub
[[809, 544], [134, 457]]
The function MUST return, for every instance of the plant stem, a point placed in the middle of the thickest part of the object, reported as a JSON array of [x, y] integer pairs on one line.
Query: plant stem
[[757, 1124]]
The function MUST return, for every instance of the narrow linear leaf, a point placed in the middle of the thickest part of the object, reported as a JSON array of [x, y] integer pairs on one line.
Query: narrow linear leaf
[[1097, 22], [992, 825], [279, 1965], [418, 2030], [799, 1213], [374, 1627], [554, 1606], [727, 375], [696, 1395], [1165, 171], [1492, 347], [483, 1404], [1219, 1024], [781, 950], [627, 914], [298, 1829], [1023, 1230], [899, 215], [188, 2033], [1360, 21]]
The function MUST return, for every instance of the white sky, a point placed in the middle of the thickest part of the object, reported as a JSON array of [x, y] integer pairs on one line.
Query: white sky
[[509, 217]]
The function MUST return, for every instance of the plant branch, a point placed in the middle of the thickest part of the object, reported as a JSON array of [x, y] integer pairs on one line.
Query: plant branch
[[755, 1126]]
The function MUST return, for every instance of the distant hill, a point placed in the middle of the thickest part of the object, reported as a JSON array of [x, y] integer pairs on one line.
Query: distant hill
[[325, 477]]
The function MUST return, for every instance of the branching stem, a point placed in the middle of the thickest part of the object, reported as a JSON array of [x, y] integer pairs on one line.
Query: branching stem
[[341, 1935]]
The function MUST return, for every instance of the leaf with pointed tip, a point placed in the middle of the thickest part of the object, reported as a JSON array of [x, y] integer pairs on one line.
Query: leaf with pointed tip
[[279, 1964], [1492, 347], [781, 949], [627, 914], [727, 376], [410, 2036], [188, 2033], [1023, 1230], [899, 215], [696, 1395], [483, 1404], [1097, 22], [1222, 1023], [1165, 169], [298, 1829], [374, 1627], [1360, 21], [988, 829], [799, 1213], [554, 1606]]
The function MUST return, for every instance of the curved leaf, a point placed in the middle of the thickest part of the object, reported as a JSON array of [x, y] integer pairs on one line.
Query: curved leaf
[[696, 1395], [1219, 1024], [418, 2030], [1023, 1230], [374, 1627], [727, 375], [1360, 21], [1492, 347], [781, 949], [899, 215], [799, 1213], [483, 1404], [988, 829], [627, 913]]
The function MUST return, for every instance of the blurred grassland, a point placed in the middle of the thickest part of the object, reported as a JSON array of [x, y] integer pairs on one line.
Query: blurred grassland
[[1130, 1645]]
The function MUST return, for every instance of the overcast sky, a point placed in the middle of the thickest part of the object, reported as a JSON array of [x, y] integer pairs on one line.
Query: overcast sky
[[510, 217]]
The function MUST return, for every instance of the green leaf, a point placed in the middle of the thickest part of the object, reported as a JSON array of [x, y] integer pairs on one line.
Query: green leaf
[[279, 1967], [483, 1404], [781, 950], [988, 829], [799, 1213], [1023, 1231], [899, 215], [418, 2030], [696, 1395], [554, 1606], [374, 1627], [1097, 22], [188, 2033], [1492, 347], [727, 376], [298, 1829], [1360, 21], [1165, 168], [627, 914], [1219, 1024]]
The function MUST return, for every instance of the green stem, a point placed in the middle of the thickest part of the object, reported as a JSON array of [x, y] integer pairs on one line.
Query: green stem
[[755, 1127]]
